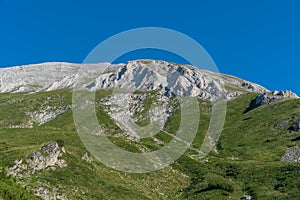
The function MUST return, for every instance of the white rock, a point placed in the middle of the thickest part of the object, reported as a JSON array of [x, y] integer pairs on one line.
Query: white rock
[[47, 156], [270, 97], [138, 75]]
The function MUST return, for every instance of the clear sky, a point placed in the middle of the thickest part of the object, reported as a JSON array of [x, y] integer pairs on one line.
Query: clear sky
[[257, 40]]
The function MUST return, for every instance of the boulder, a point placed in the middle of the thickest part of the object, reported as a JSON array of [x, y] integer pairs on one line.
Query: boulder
[[292, 154]]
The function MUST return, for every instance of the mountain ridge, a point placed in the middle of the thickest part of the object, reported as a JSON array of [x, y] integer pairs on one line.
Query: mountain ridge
[[180, 79]]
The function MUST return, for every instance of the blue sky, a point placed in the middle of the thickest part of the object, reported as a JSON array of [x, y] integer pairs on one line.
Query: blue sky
[[257, 40]]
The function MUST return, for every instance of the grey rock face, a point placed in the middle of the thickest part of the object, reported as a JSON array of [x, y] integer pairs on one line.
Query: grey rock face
[[47, 157], [172, 79], [270, 97], [292, 154]]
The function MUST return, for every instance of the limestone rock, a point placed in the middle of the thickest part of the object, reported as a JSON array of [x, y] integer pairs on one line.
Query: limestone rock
[[87, 158], [292, 154], [172, 79], [125, 109], [270, 97], [45, 192], [47, 157], [47, 113]]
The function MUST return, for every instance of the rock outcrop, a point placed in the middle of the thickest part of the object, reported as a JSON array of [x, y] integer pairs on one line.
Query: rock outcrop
[[86, 157], [282, 123], [47, 157], [45, 192], [292, 154], [270, 97], [124, 110], [295, 127], [47, 113]]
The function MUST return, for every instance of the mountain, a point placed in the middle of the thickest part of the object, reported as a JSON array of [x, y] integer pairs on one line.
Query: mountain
[[42, 155], [145, 75]]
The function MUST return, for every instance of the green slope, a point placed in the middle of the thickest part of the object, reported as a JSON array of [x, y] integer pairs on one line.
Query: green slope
[[246, 160]]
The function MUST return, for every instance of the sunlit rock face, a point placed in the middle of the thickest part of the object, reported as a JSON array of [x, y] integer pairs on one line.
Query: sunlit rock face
[[270, 97], [170, 79]]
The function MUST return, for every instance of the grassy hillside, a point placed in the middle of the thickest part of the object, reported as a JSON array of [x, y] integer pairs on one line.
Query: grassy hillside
[[246, 160]]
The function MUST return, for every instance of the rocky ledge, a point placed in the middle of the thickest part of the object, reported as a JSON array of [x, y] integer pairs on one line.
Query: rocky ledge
[[270, 97]]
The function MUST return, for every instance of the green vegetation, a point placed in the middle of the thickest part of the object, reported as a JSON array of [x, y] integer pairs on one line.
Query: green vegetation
[[10, 189], [233, 88], [246, 160]]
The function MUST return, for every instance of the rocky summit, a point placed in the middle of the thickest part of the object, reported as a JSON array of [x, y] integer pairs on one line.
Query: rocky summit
[[42, 156], [146, 75]]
